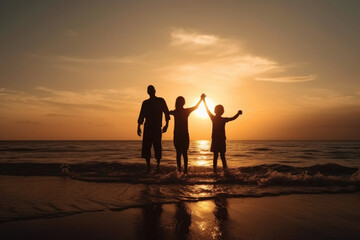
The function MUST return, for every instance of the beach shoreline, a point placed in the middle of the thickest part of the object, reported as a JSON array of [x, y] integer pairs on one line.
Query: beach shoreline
[[297, 216]]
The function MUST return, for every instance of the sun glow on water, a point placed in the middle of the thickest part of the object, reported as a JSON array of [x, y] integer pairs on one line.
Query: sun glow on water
[[201, 162], [203, 147]]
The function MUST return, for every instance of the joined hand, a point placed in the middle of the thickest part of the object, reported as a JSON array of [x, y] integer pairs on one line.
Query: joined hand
[[164, 129]]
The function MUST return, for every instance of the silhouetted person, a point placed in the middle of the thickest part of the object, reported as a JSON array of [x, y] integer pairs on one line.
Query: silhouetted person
[[218, 137], [181, 132], [221, 212], [222, 217], [152, 110], [183, 220], [150, 227]]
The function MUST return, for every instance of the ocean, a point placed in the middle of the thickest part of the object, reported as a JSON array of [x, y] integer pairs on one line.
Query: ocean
[[42, 179]]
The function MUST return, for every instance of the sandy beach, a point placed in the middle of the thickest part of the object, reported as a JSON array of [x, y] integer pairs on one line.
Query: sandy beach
[[304, 216]]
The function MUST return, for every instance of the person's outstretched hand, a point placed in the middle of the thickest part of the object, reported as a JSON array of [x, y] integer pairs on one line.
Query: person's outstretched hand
[[239, 112], [164, 128], [139, 131], [203, 96]]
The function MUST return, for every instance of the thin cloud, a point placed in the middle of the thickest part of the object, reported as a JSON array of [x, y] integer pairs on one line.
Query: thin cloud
[[181, 37], [329, 98], [229, 70], [289, 79], [67, 110], [194, 57], [113, 60], [83, 106], [209, 58], [80, 64], [66, 67], [68, 101]]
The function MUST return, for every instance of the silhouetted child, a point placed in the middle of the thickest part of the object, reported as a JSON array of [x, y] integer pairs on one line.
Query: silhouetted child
[[218, 137], [181, 132]]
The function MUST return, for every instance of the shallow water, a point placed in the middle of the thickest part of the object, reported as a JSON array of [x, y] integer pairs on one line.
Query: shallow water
[[57, 178], [239, 153]]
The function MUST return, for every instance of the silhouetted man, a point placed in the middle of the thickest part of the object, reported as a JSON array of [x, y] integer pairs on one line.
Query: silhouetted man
[[152, 110]]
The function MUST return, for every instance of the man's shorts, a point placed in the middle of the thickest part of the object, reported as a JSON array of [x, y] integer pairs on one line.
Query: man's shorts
[[151, 138]]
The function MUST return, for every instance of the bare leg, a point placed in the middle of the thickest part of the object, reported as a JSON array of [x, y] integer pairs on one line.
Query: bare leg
[[222, 155], [185, 161], [216, 155], [178, 160], [147, 164], [158, 164], [158, 150]]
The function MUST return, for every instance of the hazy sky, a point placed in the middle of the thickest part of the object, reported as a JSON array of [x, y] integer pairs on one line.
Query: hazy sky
[[79, 69]]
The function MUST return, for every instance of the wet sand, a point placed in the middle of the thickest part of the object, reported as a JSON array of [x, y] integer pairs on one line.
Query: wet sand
[[311, 216]]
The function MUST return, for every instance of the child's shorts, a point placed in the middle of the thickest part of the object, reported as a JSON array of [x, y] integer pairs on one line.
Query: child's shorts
[[218, 145], [181, 142]]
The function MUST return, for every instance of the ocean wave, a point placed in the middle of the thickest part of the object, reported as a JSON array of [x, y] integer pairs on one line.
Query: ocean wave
[[59, 150], [261, 175], [261, 149]]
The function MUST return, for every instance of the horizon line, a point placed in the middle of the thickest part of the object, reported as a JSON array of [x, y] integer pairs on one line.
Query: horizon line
[[8, 140]]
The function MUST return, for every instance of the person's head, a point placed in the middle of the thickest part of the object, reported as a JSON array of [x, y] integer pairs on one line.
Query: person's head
[[219, 110], [180, 102], [151, 90]]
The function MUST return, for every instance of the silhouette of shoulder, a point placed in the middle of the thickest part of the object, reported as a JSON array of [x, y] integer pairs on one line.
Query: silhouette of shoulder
[[155, 99], [151, 108], [188, 110]]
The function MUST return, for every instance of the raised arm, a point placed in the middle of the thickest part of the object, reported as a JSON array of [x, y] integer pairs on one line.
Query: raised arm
[[197, 105], [235, 116], [207, 109]]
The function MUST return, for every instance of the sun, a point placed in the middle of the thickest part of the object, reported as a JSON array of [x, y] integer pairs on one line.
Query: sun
[[201, 111]]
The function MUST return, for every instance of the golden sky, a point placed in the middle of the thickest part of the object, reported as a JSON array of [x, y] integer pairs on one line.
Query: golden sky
[[79, 70]]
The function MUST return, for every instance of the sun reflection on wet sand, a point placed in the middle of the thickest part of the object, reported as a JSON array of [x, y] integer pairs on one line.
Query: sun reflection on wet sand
[[202, 211], [210, 219]]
